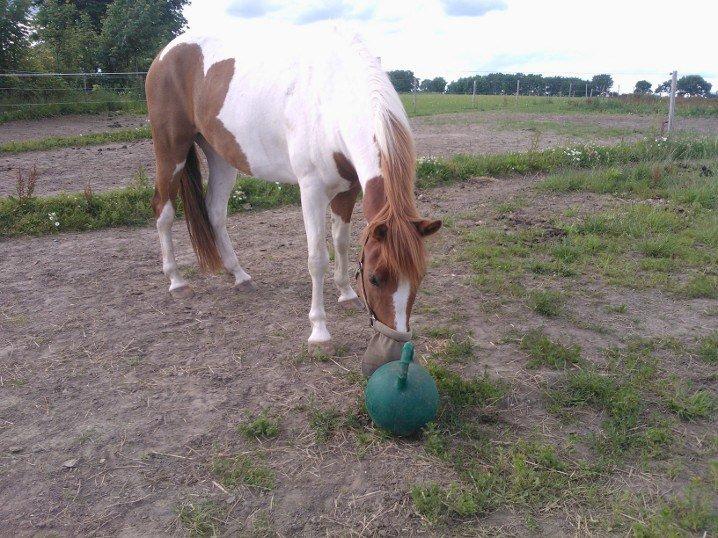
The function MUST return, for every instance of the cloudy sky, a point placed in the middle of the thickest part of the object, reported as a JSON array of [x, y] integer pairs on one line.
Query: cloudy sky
[[630, 39]]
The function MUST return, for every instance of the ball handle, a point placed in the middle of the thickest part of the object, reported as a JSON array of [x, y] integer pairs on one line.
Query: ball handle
[[407, 355]]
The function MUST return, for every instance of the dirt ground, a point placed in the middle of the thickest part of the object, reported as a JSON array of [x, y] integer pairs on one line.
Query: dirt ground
[[114, 397], [111, 166]]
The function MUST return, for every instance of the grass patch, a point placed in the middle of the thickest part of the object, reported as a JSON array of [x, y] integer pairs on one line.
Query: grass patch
[[54, 142], [262, 427], [439, 103], [324, 422], [548, 303], [544, 352], [692, 405], [455, 350], [243, 469], [690, 513], [201, 519], [708, 348], [131, 206], [525, 474]]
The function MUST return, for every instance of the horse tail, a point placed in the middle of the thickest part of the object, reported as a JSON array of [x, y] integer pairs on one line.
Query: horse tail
[[200, 229]]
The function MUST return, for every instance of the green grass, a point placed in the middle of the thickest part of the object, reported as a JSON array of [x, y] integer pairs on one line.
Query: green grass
[[324, 422], [543, 351], [548, 303], [262, 427], [708, 348], [455, 350], [435, 103], [72, 102], [125, 135], [684, 183], [131, 206], [201, 519], [691, 513], [696, 405], [243, 469]]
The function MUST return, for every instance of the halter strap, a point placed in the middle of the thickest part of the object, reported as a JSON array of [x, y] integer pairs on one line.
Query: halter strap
[[360, 273]]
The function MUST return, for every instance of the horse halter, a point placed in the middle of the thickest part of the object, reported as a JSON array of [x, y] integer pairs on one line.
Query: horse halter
[[360, 274]]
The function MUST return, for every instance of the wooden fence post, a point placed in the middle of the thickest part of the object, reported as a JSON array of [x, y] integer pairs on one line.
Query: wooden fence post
[[672, 102], [518, 86]]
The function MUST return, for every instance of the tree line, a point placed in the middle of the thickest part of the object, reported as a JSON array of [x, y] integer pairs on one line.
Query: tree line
[[503, 83], [85, 35]]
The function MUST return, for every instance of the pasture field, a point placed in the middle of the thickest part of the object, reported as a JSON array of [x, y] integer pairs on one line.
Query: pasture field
[[570, 317], [104, 100]]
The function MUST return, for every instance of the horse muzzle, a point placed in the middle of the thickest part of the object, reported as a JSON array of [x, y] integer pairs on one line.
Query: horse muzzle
[[385, 346]]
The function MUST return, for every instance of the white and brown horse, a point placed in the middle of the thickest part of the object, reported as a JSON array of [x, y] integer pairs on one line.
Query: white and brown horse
[[322, 114]]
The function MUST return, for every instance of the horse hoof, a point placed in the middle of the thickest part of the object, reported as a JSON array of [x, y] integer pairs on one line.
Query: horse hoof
[[247, 285], [352, 304], [184, 292], [321, 349]]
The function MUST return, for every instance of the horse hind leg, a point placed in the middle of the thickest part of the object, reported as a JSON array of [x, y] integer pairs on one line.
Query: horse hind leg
[[222, 177], [342, 205], [171, 159]]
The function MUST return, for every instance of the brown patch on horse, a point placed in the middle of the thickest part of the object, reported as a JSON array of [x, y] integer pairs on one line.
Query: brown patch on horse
[[171, 87], [343, 203], [211, 94]]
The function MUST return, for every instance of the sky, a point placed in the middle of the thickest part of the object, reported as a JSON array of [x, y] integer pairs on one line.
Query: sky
[[629, 39]]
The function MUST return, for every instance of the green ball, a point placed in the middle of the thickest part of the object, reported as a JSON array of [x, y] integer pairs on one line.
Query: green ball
[[401, 396]]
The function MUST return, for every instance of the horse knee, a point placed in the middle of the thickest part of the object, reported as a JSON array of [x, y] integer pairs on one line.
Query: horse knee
[[318, 262]]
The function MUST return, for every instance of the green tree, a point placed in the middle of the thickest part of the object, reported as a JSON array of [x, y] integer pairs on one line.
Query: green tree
[[663, 87], [694, 85], [68, 35], [403, 80], [133, 31], [14, 32], [643, 87], [437, 85], [602, 83]]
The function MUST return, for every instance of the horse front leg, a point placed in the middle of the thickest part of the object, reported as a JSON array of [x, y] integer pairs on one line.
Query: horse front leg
[[342, 205], [314, 210]]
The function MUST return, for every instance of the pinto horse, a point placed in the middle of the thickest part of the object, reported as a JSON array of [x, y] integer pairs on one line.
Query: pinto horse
[[323, 115]]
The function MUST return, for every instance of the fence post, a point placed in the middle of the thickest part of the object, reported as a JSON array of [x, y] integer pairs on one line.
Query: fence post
[[587, 90], [672, 102], [518, 86], [570, 88], [473, 94], [413, 94]]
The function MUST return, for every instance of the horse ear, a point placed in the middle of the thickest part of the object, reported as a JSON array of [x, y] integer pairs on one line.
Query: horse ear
[[427, 227], [379, 232]]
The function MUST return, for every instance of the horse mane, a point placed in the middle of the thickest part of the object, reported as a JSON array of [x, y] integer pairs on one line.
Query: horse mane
[[402, 250]]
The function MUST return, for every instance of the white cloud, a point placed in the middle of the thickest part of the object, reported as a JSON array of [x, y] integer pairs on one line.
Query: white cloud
[[630, 40], [472, 8]]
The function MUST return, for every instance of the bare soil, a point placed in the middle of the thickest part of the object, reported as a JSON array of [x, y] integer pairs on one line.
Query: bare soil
[[70, 125], [113, 165], [114, 398]]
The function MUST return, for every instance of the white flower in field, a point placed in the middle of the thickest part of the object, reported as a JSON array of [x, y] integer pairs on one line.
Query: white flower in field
[[57, 224]]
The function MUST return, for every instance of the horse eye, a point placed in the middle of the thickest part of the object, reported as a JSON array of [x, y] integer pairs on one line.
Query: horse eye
[[374, 280]]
